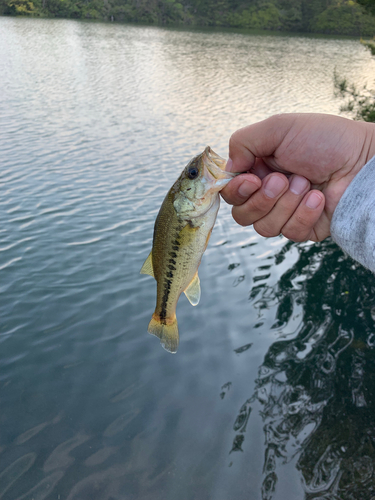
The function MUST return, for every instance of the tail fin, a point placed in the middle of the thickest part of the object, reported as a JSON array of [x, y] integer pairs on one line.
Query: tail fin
[[168, 334]]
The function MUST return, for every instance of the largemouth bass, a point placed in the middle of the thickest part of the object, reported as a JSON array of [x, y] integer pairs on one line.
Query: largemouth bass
[[181, 233]]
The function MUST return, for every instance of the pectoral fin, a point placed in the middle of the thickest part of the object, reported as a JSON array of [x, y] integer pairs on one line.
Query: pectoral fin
[[147, 267], [193, 291], [187, 232]]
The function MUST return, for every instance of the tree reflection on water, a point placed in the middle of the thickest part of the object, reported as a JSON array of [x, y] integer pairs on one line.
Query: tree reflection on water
[[317, 386]]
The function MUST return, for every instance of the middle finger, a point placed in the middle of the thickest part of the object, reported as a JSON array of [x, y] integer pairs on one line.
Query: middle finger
[[262, 201]]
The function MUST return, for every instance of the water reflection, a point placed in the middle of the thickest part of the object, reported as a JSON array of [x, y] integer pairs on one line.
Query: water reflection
[[96, 122], [316, 386]]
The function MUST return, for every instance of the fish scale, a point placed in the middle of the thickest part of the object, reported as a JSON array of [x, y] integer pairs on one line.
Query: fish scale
[[182, 229]]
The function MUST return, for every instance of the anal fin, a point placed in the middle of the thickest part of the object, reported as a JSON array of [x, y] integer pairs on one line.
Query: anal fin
[[193, 291], [147, 267]]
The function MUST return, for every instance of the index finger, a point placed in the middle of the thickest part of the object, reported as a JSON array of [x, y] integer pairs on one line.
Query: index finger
[[258, 140]]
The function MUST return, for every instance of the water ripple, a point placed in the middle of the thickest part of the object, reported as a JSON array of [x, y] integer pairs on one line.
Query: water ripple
[[97, 121]]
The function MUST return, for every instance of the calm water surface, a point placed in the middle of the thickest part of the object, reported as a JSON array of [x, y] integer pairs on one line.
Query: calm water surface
[[272, 392]]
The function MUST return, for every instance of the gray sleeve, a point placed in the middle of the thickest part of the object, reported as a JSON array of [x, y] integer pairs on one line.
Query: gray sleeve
[[353, 221]]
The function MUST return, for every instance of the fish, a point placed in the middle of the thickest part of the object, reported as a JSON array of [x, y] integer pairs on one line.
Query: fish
[[182, 229]]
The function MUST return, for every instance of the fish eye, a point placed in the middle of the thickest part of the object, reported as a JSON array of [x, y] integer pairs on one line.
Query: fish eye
[[193, 173]]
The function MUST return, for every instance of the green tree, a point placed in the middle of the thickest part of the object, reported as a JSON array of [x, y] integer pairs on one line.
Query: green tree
[[261, 16], [21, 8], [369, 5], [346, 18], [322, 16]]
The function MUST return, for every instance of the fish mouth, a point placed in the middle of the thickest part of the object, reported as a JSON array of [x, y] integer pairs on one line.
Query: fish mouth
[[215, 168]]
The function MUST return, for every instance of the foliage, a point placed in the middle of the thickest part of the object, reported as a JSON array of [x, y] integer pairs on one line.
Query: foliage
[[264, 16], [322, 16], [145, 11], [369, 5], [22, 8], [370, 46], [346, 18], [359, 103]]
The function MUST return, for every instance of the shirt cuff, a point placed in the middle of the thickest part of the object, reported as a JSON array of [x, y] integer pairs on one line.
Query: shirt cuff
[[353, 221]]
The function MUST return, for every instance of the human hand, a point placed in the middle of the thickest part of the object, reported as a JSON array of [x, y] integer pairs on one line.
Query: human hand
[[299, 166]]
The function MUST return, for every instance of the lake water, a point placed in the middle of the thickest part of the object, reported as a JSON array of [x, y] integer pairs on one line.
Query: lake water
[[272, 392]]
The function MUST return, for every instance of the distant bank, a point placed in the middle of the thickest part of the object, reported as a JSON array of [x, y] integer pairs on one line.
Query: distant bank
[[338, 17]]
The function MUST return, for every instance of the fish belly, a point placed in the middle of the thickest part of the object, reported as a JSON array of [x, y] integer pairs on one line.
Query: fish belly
[[177, 252]]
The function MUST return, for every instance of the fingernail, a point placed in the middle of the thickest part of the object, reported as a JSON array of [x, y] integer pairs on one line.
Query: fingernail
[[245, 189], [298, 184], [229, 165], [274, 186], [313, 200]]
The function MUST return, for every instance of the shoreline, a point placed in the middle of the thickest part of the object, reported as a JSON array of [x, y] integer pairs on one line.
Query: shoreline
[[201, 28]]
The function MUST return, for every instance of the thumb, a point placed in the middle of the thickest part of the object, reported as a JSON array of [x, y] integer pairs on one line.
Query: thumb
[[259, 140]]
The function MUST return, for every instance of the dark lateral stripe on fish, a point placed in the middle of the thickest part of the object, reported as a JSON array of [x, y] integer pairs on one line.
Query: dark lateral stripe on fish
[[167, 283], [167, 289]]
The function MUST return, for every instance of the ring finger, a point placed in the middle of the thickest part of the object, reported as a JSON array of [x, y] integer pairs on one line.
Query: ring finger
[[272, 223]]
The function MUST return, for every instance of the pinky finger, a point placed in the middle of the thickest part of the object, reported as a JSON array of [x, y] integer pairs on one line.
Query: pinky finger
[[300, 226]]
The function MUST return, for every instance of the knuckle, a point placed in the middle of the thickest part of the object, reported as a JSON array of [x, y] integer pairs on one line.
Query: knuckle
[[228, 195], [233, 143], [294, 236], [302, 222], [234, 138], [297, 231], [259, 205], [240, 217], [265, 229]]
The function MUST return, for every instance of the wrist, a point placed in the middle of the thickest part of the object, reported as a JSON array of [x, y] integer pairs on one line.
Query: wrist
[[368, 148]]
